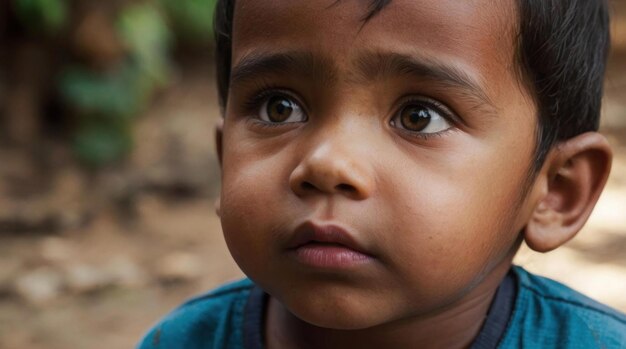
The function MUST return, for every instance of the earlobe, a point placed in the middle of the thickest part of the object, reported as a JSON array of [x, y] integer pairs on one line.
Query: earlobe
[[569, 186], [545, 231]]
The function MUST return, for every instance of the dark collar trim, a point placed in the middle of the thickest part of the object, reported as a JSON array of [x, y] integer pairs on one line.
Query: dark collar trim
[[499, 315], [254, 319]]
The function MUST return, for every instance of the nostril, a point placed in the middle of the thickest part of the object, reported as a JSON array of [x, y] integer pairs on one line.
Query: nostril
[[307, 186], [347, 188]]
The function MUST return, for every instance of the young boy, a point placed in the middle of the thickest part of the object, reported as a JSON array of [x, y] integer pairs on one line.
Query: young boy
[[382, 162]]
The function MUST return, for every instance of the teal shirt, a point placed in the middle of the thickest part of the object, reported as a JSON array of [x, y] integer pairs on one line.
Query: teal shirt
[[545, 314], [548, 314]]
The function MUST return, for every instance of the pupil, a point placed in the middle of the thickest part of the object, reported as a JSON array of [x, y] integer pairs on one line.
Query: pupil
[[415, 118], [421, 114], [279, 109]]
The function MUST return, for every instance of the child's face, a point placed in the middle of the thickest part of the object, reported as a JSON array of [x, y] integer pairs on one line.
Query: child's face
[[411, 132]]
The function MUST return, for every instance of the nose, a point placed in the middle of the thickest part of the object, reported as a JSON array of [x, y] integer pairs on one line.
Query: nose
[[333, 167]]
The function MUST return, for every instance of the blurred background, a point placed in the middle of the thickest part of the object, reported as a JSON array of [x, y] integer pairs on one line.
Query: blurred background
[[108, 173]]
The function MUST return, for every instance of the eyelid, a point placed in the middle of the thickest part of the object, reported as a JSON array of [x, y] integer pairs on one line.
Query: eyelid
[[445, 114], [266, 91], [438, 106]]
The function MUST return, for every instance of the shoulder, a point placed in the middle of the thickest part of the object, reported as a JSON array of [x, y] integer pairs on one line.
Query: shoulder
[[206, 321], [548, 314]]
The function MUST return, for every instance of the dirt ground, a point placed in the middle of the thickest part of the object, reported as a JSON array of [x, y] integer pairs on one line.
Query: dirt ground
[[103, 281]]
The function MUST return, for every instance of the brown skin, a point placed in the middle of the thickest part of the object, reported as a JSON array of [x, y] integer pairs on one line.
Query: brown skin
[[442, 214]]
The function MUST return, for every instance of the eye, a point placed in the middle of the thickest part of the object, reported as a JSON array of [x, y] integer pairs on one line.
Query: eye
[[420, 117], [281, 109]]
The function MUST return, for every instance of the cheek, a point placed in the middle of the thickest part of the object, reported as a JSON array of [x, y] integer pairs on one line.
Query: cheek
[[249, 208], [453, 225]]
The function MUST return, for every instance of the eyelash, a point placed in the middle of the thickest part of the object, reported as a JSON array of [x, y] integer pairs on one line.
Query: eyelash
[[253, 103]]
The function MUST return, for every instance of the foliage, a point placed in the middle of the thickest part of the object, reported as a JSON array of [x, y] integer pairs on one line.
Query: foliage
[[97, 145], [145, 32], [105, 101], [112, 94], [192, 19], [47, 16], [105, 104]]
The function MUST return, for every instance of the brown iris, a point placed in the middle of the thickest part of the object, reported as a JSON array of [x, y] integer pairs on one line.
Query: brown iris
[[415, 117], [279, 109]]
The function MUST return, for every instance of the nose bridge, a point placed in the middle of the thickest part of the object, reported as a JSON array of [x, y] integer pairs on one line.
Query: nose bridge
[[334, 160], [336, 141]]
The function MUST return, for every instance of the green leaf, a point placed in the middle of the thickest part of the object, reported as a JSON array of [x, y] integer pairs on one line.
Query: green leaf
[[192, 18], [48, 16], [113, 95], [146, 34], [100, 145]]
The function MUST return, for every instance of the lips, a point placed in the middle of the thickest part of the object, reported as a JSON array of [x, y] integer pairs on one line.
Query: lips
[[311, 233], [326, 246]]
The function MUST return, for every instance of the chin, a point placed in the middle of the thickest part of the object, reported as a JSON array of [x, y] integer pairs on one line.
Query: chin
[[335, 320], [338, 315]]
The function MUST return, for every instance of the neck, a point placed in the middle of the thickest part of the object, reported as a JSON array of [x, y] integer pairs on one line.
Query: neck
[[454, 326]]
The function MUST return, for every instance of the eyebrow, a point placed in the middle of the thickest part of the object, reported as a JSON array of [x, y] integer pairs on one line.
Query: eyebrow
[[370, 65], [376, 65], [298, 63]]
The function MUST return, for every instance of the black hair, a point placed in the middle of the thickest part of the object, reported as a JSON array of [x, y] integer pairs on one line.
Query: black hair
[[563, 48], [562, 51]]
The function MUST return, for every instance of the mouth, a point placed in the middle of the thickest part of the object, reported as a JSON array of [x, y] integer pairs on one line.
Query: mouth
[[327, 246]]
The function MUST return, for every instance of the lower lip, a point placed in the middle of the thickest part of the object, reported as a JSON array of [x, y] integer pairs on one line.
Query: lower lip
[[329, 256]]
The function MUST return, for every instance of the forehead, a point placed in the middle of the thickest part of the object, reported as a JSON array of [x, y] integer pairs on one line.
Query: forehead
[[473, 35]]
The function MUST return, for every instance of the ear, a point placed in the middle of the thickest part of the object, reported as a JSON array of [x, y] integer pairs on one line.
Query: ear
[[566, 190], [219, 126]]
